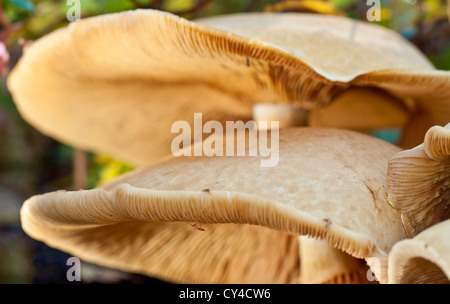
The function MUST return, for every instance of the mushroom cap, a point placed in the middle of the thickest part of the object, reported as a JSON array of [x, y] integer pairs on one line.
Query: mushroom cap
[[112, 83], [418, 181], [335, 47], [329, 184], [425, 259]]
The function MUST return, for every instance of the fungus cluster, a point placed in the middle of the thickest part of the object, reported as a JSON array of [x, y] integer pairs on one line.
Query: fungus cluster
[[337, 199], [137, 72]]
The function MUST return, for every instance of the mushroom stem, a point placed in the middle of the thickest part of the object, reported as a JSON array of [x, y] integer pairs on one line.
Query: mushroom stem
[[378, 264], [286, 114], [361, 109], [321, 263], [80, 167], [414, 130]]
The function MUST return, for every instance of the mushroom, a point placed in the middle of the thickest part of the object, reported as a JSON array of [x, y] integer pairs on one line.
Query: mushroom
[[386, 83], [418, 181], [320, 262], [418, 185], [425, 259], [330, 184], [114, 84], [265, 66]]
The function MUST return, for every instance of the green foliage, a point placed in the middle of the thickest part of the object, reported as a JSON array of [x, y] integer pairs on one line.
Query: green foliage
[[178, 5], [96, 7], [6, 102], [61, 154], [441, 60], [220, 7], [404, 15], [20, 5], [18, 10], [343, 4], [103, 169], [16, 261], [116, 6]]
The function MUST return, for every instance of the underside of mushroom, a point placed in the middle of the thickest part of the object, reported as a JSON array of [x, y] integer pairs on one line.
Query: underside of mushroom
[[424, 259], [321, 263], [418, 181]]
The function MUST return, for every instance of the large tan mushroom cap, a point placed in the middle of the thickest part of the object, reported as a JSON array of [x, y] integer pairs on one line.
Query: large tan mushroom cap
[[418, 181], [337, 48], [329, 184], [424, 259], [115, 83]]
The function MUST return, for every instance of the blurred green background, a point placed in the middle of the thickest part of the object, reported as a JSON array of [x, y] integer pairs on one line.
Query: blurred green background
[[31, 163]]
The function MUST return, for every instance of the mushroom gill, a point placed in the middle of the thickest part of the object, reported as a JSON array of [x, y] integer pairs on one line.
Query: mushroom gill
[[418, 181], [424, 259]]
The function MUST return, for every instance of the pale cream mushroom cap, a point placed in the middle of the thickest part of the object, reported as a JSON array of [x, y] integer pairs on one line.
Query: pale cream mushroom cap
[[418, 181], [115, 83], [425, 259], [329, 184]]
